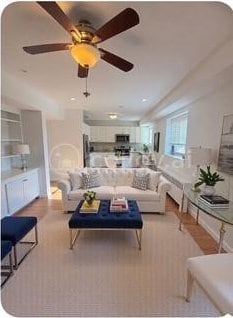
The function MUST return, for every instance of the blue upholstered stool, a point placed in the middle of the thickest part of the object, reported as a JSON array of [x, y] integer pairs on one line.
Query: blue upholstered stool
[[6, 248], [14, 229]]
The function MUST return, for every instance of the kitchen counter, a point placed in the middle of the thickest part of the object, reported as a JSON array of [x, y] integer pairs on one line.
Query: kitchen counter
[[97, 159]]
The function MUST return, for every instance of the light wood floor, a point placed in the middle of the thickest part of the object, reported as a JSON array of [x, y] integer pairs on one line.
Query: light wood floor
[[42, 206]]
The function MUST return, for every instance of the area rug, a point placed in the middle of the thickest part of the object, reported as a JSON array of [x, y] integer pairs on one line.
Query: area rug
[[106, 274]]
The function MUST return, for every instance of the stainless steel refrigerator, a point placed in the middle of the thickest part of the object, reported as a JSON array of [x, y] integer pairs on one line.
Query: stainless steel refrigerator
[[86, 151]]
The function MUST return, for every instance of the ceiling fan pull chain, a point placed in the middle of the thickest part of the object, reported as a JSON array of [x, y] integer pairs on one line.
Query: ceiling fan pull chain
[[86, 93]]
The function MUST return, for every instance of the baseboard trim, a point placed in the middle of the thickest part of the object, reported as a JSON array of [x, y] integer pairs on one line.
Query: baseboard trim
[[214, 234]]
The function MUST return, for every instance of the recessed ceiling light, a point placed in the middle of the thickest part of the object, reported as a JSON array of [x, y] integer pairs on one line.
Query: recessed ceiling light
[[144, 100], [72, 99], [112, 115]]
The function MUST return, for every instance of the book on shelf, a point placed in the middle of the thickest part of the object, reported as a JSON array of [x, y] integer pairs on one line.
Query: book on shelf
[[119, 205], [94, 208]]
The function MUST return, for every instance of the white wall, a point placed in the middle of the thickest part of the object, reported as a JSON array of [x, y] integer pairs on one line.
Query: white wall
[[34, 134], [65, 143], [204, 129]]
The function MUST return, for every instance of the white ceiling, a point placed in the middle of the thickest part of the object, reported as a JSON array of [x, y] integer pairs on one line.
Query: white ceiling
[[172, 40]]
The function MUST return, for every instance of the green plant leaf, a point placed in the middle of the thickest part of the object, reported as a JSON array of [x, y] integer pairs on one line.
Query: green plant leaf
[[196, 185]]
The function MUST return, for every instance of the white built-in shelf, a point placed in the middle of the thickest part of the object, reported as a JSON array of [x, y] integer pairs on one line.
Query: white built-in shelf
[[11, 120], [11, 139], [9, 156], [11, 135]]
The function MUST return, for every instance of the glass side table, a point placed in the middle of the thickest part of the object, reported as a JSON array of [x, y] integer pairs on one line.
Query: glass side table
[[225, 216]]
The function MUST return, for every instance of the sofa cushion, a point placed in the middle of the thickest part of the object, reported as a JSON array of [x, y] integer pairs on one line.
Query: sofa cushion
[[90, 180], [102, 193], [153, 180], [123, 177], [140, 181], [136, 194], [107, 176]]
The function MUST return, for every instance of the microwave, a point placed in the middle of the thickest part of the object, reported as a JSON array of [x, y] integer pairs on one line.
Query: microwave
[[122, 138]]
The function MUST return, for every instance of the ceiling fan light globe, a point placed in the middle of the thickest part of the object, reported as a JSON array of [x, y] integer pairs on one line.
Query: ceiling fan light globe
[[85, 54]]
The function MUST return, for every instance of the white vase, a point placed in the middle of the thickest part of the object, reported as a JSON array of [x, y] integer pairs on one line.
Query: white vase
[[209, 190]]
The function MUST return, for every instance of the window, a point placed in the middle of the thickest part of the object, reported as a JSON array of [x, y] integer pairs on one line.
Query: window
[[176, 136], [146, 135]]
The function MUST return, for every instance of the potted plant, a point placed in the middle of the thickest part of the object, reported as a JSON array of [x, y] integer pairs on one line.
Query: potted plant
[[209, 179], [145, 148], [89, 197]]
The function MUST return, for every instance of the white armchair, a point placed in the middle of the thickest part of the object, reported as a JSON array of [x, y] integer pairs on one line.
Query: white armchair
[[214, 273]]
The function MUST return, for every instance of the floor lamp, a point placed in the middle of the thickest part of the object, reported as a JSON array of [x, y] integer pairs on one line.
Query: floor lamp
[[199, 156]]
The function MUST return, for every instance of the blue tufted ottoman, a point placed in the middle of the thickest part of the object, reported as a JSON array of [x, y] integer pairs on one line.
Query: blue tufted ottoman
[[105, 219], [6, 247], [14, 228]]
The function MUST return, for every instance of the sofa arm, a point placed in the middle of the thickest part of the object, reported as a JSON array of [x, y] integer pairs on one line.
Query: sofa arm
[[65, 187], [164, 186]]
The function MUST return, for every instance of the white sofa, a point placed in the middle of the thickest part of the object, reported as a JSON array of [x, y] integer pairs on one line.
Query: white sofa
[[117, 182]]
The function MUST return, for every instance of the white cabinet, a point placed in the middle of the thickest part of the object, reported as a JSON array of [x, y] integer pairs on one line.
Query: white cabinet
[[20, 190], [4, 208], [98, 133], [137, 134], [107, 133], [86, 130], [15, 196], [30, 187], [110, 134]]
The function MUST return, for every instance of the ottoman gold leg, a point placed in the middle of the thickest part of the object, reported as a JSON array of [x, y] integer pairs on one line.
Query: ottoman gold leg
[[73, 239], [139, 238]]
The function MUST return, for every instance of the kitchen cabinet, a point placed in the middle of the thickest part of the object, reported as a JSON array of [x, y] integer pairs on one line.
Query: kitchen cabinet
[[98, 133], [20, 189], [86, 130], [107, 133], [110, 133]]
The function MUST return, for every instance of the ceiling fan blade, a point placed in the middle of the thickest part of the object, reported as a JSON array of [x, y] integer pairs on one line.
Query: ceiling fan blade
[[116, 61], [121, 22], [82, 71], [56, 12], [45, 48]]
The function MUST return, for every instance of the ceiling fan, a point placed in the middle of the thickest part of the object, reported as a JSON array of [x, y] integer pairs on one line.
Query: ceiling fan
[[85, 38]]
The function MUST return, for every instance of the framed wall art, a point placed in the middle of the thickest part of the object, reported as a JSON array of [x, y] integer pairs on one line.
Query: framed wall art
[[225, 158], [156, 141]]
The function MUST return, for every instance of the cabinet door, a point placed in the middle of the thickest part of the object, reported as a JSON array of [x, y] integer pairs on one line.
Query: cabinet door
[[30, 187], [110, 134], [138, 134], [4, 207], [93, 133], [15, 195], [98, 133], [133, 134]]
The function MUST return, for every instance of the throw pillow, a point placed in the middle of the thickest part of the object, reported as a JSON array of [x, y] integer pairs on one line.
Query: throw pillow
[[90, 180], [140, 181]]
